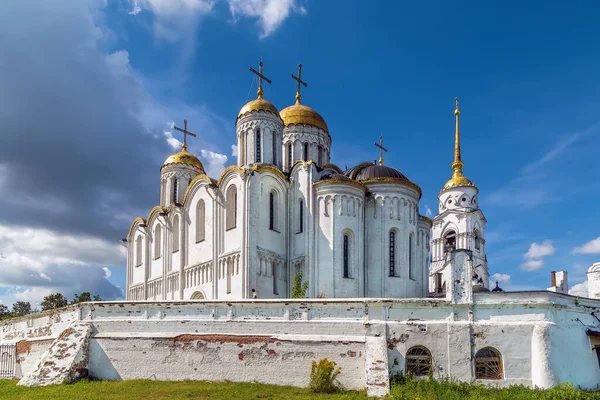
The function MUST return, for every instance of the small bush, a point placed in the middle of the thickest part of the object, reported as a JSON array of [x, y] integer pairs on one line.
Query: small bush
[[323, 377]]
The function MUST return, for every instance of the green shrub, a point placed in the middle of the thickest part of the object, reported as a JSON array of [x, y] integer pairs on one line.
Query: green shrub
[[323, 377]]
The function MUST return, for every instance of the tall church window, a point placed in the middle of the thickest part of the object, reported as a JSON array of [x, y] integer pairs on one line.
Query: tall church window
[[275, 277], [274, 148], [477, 240], [411, 266], [289, 155], [418, 361], [306, 151], [300, 216], [231, 207], [346, 255], [257, 146], [200, 221], [488, 364], [273, 211], [320, 155], [392, 251], [157, 241], [138, 251], [175, 187], [176, 234], [449, 242]]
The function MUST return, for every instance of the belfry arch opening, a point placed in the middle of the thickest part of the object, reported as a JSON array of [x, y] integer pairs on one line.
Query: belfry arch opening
[[449, 241]]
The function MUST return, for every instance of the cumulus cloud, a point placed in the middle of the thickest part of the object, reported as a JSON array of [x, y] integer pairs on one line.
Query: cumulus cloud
[[534, 258], [428, 212], [173, 20], [270, 13], [234, 150], [501, 278], [591, 247], [579, 289], [214, 163]]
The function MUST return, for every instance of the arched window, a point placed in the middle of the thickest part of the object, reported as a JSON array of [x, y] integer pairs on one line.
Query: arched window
[[449, 242], [392, 254], [273, 211], [176, 234], [231, 207], [175, 185], [347, 255], [274, 148], [200, 221], [320, 155], [289, 154], [477, 240], [300, 216], [306, 151], [488, 364], [138, 251], [257, 158], [418, 361], [275, 277], [157, 241], [411, 266]]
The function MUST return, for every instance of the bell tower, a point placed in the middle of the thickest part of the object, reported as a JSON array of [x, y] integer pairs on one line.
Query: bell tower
[[459, 225]]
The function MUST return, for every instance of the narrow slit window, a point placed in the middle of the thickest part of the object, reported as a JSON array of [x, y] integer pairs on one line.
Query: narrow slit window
[[392, 253], [346, 257], [289, 152], [257, 145]]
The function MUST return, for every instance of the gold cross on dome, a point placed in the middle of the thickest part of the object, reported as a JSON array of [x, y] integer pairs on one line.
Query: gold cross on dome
[[185, 133], [260, 79], [300, 82], [381, 149]]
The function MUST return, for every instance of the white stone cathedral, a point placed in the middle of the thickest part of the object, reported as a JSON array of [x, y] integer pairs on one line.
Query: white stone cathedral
[[284, 207]]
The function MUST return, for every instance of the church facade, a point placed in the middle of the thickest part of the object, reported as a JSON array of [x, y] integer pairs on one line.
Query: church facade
[[284, 208]]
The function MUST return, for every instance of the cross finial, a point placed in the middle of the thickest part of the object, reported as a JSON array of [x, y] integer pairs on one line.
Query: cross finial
[[381, 149], [260, 79], [456, 101], [185, 133], [300, 82]]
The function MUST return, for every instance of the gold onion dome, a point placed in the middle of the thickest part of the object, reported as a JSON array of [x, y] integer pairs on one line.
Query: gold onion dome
[[301, 114], [183, 157], [458, 179], [259, 104]]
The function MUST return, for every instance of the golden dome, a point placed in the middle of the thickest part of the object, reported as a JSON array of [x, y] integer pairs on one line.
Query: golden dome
[[259, 104], [301, 114], [183, 157], [456, 181]]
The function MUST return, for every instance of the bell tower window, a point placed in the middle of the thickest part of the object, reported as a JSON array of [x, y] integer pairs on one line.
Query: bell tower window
[[274, 148], [306, 151], [175, 187], [392, 253], [257, 146], [289, 154], [449, 242]]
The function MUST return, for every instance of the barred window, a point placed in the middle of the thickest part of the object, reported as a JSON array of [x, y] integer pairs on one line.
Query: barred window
[[289, 151], [418, 361], [257, 145], [392, 253], [488, 364], [346, 256], [175, 185], [273, 211]]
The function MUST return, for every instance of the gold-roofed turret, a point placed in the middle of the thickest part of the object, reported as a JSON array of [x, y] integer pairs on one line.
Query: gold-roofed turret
[[184, 157], [299, 113], [458, 179], [259, 104]]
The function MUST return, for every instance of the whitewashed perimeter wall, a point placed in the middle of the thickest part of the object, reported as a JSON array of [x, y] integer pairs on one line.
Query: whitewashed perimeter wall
[[541, 336]]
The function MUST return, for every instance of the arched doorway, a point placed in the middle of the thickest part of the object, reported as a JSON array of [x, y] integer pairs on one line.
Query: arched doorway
[[198, 296]]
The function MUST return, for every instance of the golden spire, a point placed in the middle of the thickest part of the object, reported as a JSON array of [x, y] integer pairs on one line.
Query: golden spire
[[185, 133], [300, 82], [260, 79], [457, 176], [381, 149]]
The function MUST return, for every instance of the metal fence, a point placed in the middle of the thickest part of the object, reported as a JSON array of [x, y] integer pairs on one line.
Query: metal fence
[[7, 360]]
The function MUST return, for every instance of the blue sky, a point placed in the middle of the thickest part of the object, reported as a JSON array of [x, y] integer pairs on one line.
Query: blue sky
[[101, 83]]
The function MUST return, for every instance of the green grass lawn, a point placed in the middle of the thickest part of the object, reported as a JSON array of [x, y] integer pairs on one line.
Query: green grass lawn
[[155, 390]]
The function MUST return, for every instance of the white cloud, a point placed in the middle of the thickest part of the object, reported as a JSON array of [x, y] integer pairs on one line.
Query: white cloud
[[579, 289], [534, 258], [107, 272], [234, 150], [214, 163], [428, 212], [173, 143], [591, 247], [501, 278], [173, 20], [270, 13]]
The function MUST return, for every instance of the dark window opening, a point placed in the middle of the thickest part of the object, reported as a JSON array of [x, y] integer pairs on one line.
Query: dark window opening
[[392, 253], [258, 145], [346, 266]]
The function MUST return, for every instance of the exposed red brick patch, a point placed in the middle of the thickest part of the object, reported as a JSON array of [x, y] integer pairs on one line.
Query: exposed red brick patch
[[240, 340], [24, 346]]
